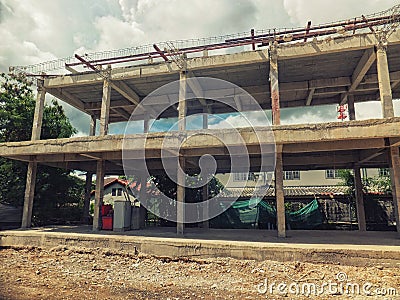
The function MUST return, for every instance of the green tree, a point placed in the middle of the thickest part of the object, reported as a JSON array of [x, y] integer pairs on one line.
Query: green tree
[[58, 195]]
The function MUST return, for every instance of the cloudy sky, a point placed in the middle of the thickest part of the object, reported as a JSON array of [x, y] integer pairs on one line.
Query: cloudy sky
[[33, 31]]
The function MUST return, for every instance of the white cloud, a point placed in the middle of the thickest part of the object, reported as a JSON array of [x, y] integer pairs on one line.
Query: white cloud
[[115, 33], [243, 119], [301, 11]]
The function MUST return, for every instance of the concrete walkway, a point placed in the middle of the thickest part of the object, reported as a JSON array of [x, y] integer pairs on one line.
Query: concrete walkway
[[345, 247]]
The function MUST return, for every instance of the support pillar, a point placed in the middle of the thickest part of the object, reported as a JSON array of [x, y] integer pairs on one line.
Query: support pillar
[[86, 201], [274, 81], [385, 89], [352, 111], [146, 124], [29, 194], [38, 115], [180, 197], [359, 199], [142, 196], [395, 179], [99, 195], [32, 165], [105, 105], [204, 191], [89, 179], [279, 194], [180, 194], [205, 119]]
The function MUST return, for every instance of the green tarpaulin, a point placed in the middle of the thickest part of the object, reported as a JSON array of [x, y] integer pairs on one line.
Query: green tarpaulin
[[254, 213]]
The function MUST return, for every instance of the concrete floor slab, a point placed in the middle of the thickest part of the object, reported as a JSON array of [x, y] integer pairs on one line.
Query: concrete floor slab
[[344, 247]]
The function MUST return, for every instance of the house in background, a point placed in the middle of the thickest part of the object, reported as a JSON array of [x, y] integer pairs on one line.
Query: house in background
[[114, 190], [314, 178]]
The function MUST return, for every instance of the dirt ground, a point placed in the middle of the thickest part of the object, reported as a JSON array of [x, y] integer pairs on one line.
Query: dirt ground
[[79, 273]]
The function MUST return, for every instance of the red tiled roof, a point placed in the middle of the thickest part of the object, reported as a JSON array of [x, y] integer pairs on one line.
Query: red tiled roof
[[291, 191]]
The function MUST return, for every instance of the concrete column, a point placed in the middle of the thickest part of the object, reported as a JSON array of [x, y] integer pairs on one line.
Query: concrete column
[[395, 179], [32, 165], [274, 82], [205, 119], [350, 103], [182, 102], [385, 89], [204, 193], [86, 201], [89, 179], [146, 124], [142, 196], [279, 194], [29, 194], [180, 193], [92, 127], [180, 196], [105, 106], [359, 199], [204, 190], [38, 115], [99, 195]]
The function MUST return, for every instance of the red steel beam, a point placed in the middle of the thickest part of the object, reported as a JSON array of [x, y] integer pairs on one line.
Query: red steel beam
[[350, 25], [253, 45], [307, 31], [162, 54]]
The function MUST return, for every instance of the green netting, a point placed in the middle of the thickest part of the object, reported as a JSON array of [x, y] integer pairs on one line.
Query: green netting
[[256, 213]]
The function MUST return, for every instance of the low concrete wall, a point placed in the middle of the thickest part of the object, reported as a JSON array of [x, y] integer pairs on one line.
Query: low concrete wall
[[176, 247]]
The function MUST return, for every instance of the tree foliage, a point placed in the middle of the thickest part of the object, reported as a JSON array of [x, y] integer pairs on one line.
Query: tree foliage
[[57, 193], [381, 183]]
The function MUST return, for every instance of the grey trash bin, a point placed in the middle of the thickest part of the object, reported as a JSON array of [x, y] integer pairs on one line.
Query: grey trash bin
[[122, 215]]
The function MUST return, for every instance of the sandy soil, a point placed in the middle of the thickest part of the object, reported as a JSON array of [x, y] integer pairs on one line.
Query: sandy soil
[[78, 273]]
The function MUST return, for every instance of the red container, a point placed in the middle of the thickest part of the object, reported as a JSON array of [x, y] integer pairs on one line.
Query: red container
[[107, 223], [105, 209]]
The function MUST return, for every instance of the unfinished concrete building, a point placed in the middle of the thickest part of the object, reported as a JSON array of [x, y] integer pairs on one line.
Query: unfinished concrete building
[[343, 63]]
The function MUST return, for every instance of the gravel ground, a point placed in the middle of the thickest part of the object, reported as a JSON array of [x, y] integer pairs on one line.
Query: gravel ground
[[80, 273]]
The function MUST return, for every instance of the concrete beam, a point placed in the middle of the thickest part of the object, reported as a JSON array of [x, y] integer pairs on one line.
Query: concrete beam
[[122, 88], [333, 45], [303, 135], [196, 88], [310, 96], [361, 69], [122, 112], [197, 63]]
